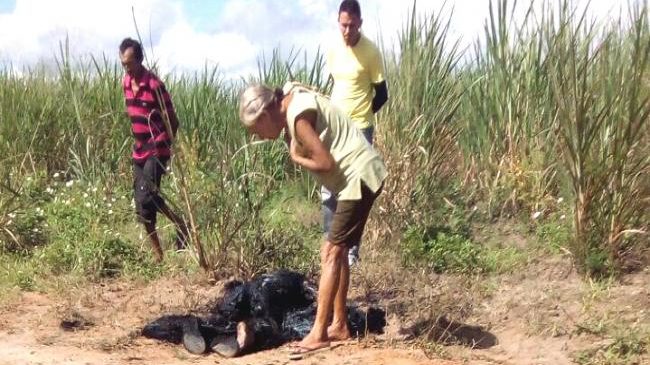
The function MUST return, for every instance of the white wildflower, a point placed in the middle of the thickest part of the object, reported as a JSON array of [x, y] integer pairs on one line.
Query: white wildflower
[[560, 200], [56, 175], [88, 205], [536, 215], [110, 211], [563, 216], [69, 183], [85, 195], [12, 215], [94, 190], [109, 205], [113, 200]]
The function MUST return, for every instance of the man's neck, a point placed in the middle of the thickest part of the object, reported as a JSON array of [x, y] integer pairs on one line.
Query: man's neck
[[356, 41], [137, 76]]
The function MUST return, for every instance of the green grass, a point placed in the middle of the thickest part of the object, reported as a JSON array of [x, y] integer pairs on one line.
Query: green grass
[[555, 107], [625, 348]]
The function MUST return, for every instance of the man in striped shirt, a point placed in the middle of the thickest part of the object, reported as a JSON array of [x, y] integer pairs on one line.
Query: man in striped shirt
[[154, 125]]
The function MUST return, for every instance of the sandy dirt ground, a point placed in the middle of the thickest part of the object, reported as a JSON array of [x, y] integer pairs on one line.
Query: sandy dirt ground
[[30, 332], [535, 317]]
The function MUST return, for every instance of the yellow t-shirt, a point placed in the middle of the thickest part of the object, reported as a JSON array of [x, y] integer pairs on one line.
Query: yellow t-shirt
[[356, 160], [355, 70]]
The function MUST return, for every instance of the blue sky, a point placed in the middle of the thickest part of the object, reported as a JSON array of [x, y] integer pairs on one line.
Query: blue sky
[[7, 5], [204, 13], [186, 35]]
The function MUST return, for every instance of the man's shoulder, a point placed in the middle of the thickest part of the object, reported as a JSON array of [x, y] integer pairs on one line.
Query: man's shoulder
[[300, 102], [302, 98], [369, 46], [154, 81]]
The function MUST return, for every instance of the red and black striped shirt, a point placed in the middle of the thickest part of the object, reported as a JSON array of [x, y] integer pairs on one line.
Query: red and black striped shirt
[[145, 109]]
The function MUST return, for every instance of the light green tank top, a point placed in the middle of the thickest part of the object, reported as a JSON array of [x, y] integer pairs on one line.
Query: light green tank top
[[356, 160]]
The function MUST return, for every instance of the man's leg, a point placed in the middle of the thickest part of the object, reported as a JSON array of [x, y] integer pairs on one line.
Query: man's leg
[[353, 253], [155, 242], [338, 330], [142, 187], [182, 234], [156, 172], [328, 207], [348, 226], [332, 258]]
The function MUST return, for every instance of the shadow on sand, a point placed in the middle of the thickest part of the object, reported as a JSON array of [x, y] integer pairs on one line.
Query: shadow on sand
[[449, 332]]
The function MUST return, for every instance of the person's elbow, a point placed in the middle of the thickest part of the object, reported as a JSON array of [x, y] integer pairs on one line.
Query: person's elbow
[[381, 96]]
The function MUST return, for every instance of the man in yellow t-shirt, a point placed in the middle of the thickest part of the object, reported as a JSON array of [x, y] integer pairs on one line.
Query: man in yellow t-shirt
[[355, 64]]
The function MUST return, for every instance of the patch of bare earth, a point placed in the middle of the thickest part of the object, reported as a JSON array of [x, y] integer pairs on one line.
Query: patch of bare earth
[[104, 322], [548, 315], [542, 314]]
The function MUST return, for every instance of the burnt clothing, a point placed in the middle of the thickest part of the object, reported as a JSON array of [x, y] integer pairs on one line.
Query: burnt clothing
[[277, 307]]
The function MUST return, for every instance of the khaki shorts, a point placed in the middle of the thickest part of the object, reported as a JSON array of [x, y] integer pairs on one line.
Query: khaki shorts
[[350, 218]]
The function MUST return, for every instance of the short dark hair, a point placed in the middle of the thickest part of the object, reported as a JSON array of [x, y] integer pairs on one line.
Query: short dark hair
[[132, 43], [351, 7]]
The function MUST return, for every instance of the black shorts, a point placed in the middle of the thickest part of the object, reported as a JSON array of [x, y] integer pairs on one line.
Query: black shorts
[[146, 188]]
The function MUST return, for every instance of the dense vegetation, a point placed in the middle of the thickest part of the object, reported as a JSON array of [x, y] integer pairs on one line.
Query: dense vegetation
[[544, 122]]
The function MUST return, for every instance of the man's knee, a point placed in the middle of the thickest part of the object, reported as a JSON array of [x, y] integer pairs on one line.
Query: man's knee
[[332, 253]]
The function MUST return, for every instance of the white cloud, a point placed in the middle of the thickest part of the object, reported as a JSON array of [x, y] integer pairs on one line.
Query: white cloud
[[35, 28], [242, 31], [181, 48]]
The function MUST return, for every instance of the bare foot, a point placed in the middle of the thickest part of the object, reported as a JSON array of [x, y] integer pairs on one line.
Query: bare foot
[[338, 333], [312, 342], [245, 337]]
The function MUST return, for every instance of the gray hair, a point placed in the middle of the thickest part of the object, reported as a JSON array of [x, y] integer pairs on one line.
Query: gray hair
[[254, 100]]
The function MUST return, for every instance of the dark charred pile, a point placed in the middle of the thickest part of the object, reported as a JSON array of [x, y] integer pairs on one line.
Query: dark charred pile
[[260, 314]]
